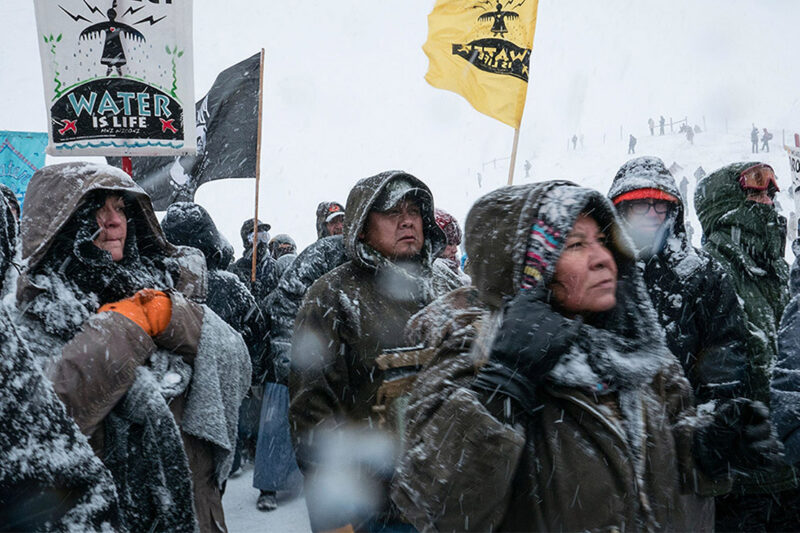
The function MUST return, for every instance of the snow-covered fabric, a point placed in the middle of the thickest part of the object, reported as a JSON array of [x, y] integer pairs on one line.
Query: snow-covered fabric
[[475, 462], [694, 299], [348, 317], [221, 377], [94, 360], [9, 235], [785, 384], [265, 279], [146, 455], [189, 224], [316, 260], [747, 239], [50, 480]]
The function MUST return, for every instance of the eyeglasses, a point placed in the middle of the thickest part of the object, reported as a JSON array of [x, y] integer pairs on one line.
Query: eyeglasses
[[641, 207], [759, 178]]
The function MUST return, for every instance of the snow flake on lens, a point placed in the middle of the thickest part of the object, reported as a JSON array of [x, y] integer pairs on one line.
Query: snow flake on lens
[[496, 52]]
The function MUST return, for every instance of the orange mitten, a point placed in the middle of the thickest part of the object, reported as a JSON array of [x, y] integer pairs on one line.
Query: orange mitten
[[150, 309], [344, 529]]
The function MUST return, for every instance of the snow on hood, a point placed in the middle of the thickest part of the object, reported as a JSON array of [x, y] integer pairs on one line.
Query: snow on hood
[[189, 224], [360, 201], [719, 195], [498, 226], [648, 172], [54, 194]]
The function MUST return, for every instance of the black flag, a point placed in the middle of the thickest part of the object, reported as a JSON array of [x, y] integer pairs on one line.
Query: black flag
[[227, 135]]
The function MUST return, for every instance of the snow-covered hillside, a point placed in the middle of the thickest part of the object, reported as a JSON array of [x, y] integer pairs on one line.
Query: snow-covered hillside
[[596, 164]]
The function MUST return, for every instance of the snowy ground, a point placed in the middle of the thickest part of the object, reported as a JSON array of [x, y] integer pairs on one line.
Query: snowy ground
[[242, 516]]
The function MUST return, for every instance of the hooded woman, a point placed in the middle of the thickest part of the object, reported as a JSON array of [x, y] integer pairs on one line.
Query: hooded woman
[[153, 377], [552, 402]]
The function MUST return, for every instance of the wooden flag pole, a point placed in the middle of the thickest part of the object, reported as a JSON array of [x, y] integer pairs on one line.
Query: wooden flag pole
[[258, 165], [513, 161]]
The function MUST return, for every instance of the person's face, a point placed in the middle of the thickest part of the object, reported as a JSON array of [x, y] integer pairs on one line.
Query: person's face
[[113, 225], [585, 280], [396, 233], [646, 215], [451, 252], [760, 197], [759, 184], [335, 226]]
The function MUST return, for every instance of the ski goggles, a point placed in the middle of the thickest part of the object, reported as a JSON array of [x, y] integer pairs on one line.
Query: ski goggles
[[263, 237], [760, 178]]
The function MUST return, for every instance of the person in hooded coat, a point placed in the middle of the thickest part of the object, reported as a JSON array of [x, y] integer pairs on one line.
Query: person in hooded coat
[[330, 219], [112, 311], [243, 267], [743, 231], [694, 299], [553, 402], [452, 231], [189, 224], [50, 480], [280, 245], [354, 312]]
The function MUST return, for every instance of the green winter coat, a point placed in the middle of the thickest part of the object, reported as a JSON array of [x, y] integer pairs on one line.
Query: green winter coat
[[748, 239]]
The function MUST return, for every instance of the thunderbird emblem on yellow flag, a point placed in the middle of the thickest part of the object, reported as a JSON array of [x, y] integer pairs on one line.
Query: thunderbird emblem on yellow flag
[[481, 49]]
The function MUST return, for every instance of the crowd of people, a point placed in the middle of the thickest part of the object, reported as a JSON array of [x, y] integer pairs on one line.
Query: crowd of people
[[578, 365]]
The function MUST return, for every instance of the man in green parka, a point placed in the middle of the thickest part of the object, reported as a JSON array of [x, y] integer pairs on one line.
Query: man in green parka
[[743, 231]]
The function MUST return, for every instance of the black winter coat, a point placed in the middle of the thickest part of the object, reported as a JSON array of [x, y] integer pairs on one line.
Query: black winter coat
[[189, 224], [315, 261], [265, 282], [694, 298], [705, 326]]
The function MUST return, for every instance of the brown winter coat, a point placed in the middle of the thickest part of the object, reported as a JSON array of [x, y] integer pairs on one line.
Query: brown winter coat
[[475, 462], [349, 316], [98, 365]]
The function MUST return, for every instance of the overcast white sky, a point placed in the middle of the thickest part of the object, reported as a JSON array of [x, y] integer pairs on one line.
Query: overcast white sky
[[345, 95]]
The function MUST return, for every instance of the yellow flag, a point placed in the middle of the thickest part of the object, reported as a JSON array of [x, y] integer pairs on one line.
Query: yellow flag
[[481, 50]]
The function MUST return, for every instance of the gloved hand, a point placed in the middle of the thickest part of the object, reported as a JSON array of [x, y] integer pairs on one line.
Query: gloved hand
[[530, 341], [740, 438], [150, 309]]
